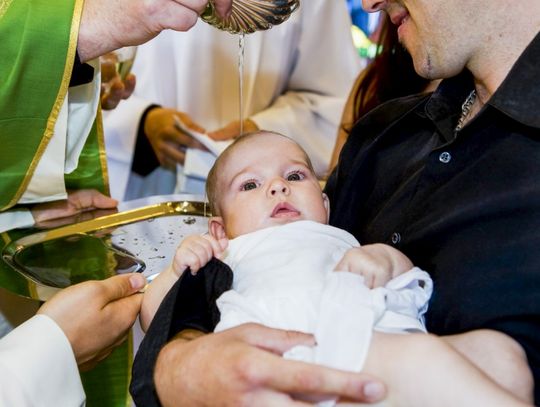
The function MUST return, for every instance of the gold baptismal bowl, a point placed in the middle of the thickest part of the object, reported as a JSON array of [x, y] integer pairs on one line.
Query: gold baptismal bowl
[[248, 16]]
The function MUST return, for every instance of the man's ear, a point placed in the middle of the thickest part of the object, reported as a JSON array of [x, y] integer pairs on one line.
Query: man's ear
[[326, 203], [216, 228]]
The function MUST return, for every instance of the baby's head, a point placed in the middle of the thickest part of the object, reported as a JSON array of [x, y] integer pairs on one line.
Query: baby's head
[[263, 179]]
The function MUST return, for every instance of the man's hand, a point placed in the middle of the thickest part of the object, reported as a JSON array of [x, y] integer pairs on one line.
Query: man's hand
[[113, 87], [96, 315], [109, 25], [243, 366], [117, 90], [196, 251], [232, 130], [76, 203], [167, 140], [377, 263]]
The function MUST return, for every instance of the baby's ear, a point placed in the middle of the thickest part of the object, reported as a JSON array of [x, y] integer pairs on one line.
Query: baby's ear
[[326, 203], [216, 228]]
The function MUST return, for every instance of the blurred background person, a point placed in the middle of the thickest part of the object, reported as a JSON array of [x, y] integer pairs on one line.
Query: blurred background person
[[296, 79]]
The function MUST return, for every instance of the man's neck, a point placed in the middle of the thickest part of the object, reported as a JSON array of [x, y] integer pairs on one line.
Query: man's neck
[[513, 28]]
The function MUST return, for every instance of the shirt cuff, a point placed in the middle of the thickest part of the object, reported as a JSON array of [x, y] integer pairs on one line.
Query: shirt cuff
[[16, 219], [40, 359]]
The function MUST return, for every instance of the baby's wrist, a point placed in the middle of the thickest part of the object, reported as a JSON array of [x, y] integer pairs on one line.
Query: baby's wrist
[[173, 272]]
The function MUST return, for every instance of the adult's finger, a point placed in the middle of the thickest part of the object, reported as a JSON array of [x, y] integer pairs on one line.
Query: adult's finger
[[121, 286], [129, 85], [277, 341], [320, 382], [172, 154], [270, 398], [223, 7], [90, 198]]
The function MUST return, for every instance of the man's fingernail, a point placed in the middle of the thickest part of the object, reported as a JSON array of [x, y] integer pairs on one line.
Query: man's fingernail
[[137, 281], [374, 390]]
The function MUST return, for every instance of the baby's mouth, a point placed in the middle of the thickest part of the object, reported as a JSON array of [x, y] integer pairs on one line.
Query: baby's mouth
[[284, 210]]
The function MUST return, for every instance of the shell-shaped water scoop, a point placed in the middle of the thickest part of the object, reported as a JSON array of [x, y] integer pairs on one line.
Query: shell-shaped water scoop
[[248, 16]]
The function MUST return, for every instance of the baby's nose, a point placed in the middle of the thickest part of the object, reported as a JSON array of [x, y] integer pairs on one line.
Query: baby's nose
[[279, 186]]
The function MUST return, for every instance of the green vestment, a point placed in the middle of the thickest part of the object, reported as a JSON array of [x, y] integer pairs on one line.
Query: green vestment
[[37, 52]]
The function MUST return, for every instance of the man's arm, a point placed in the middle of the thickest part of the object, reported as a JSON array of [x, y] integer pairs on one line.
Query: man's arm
[[106, 26], [243, 366]]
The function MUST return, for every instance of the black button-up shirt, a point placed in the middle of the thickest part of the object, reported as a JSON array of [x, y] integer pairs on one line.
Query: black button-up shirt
[[463, 206]]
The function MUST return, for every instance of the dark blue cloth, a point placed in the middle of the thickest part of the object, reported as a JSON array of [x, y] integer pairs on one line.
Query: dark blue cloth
[[190, 303]]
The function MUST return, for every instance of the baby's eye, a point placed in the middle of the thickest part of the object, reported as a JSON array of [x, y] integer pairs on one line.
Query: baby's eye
[[295, 176], [246, 186]]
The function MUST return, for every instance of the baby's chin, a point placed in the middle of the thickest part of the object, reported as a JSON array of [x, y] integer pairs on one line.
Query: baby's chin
[[270, 222]]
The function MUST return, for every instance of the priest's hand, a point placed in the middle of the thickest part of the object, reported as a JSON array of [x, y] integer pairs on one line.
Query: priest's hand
[[77, 203], [96, 315], [109, 25]]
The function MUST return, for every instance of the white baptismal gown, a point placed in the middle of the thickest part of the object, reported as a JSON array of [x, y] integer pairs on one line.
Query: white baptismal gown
[[284, 278]]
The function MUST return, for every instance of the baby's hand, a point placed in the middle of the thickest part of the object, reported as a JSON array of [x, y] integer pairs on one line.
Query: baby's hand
[[196, 251], [377, 263]]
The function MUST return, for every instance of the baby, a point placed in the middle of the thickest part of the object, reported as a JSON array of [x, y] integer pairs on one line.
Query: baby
[[293, 271]]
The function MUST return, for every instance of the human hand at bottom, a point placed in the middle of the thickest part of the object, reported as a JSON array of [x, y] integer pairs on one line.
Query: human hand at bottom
[[96, 315], [244, 366]]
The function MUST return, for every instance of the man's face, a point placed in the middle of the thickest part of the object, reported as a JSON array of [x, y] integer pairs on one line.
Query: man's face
[[437, 33], [266, 181]]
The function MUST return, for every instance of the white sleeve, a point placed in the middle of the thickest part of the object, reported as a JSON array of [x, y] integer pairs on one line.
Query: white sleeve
[[406, 299], [15, 219], [38, 368], [326, 66]]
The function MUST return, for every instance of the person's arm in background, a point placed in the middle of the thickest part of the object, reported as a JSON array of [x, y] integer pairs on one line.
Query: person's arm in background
[[327, 63], [79, 326]]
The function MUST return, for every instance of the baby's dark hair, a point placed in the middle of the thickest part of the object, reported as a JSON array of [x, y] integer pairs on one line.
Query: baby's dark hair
[[212, 179]]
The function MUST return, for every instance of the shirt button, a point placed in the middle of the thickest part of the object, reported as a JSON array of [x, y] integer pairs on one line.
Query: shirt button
[[396, 238], [445, 157]]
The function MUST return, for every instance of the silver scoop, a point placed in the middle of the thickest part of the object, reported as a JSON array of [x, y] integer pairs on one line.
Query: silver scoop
[[248, 16]]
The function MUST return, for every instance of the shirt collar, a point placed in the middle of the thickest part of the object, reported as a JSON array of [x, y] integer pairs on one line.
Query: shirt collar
[[517, 97], [519, 94]]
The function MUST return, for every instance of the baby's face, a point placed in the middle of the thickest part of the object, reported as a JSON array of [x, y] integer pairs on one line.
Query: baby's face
[[266, 181]]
